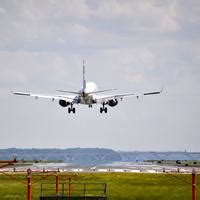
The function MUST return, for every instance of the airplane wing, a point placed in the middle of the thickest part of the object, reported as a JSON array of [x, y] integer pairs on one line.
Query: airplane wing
[[121, 96], [109, 97], [52, 97]]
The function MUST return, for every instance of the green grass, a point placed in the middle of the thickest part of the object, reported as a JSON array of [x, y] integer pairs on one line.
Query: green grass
[[126, 186]]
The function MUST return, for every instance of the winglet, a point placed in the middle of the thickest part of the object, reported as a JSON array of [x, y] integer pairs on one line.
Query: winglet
[[162, 89]]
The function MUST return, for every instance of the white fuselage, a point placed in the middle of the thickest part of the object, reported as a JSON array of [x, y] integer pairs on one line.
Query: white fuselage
[[86, 97]]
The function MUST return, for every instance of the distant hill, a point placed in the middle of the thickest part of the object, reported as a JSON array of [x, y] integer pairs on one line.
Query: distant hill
[[95, 156]]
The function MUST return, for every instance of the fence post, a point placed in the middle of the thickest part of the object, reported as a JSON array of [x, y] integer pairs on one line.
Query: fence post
[[84, 187], [194, 194], [29, 184], [70, 180], [105, 188], [63, 185], [57, 183]]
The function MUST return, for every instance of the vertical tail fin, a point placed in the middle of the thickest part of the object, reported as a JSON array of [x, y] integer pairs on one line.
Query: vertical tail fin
[[84, 81]]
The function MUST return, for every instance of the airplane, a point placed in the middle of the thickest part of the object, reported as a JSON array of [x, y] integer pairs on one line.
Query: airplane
[[86, 96]]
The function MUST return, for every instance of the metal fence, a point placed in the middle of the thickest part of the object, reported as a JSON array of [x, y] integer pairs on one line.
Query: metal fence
[[95, 191]]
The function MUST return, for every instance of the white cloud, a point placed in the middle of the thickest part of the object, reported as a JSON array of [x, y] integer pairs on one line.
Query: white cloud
[[189, 12], [28, 69], [77, 22], [140, 15], [2, 11], [129, 45]]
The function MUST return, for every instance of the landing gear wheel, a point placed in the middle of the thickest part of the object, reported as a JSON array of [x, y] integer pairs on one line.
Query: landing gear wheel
[[73, 110], [103, 109]]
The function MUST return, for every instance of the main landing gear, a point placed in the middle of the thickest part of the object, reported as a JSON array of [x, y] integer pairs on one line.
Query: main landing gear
[[103, 108], [71, 109]]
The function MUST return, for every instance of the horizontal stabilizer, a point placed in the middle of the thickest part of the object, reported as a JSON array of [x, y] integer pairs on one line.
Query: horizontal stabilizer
[[77, 93], [66, 91], [101, 91]]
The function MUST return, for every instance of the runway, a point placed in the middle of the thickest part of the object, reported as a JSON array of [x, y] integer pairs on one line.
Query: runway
[[131, 167]]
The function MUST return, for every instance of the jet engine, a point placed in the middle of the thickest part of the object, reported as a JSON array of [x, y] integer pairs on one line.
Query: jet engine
[[112, 102], [64, 103]]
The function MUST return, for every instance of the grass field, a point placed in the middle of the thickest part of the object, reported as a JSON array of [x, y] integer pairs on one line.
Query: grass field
[[120, 186]]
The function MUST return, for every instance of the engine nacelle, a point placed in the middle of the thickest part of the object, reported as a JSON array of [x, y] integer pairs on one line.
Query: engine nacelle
[[112, 102], [64, 103]]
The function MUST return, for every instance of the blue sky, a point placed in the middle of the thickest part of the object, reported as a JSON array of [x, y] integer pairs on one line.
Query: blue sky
[[135, 46]]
